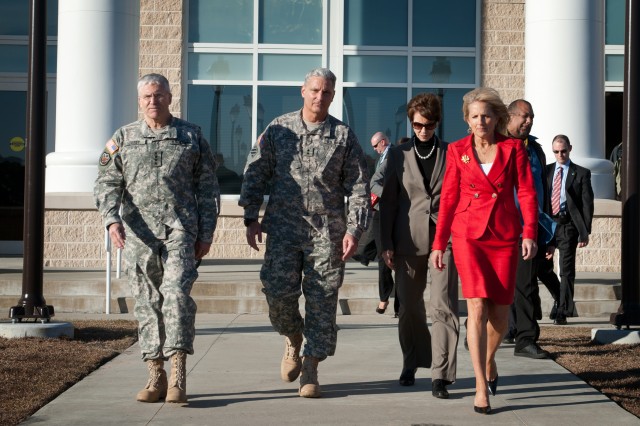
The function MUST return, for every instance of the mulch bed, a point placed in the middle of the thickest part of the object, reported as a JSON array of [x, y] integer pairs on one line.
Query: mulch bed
[[614, 370]]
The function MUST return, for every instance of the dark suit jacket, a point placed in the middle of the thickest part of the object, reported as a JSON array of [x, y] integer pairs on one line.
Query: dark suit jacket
[[579, 196], [407, 206]]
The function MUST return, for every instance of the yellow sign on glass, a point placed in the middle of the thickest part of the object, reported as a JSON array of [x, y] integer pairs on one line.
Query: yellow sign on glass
[[16, 144]]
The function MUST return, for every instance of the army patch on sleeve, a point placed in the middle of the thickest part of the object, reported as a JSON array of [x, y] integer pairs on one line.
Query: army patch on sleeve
[[105, 157], [112, 146]]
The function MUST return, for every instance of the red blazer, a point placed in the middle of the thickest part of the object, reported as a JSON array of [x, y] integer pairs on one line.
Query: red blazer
[[472, 202]]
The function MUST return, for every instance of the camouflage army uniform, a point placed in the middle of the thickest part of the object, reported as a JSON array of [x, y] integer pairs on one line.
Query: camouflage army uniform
[[166, 184], [310, 173]]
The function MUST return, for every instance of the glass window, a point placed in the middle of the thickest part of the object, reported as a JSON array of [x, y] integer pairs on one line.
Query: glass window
[[224, 114], [220, 66], [444, 69], [274, 101], [452, 126], [615, 22], [286, 67], [363, 25], [370, 110], [220, 21], [14, 17], [450, 23], [614, 68], [290, 22], [375, 69], [15, 58]]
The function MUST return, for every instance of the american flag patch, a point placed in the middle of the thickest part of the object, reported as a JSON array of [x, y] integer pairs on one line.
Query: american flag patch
[[112, 146]]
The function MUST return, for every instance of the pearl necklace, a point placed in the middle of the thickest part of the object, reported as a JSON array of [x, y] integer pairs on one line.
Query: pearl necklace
[[424, 157]]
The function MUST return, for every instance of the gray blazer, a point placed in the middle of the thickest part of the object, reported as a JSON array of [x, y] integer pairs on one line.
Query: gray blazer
[[407, 205]]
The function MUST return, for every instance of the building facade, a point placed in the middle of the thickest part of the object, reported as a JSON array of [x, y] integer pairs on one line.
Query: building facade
[[235, 65]]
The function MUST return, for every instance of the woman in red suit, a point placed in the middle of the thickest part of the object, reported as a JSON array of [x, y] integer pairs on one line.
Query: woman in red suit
[[478, 211]]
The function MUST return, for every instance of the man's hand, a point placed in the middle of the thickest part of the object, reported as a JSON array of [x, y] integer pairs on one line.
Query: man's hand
[[529, 249], [117, 235], [349, 246], [549, 253], [254, 230], [202, 249], [387, 256]]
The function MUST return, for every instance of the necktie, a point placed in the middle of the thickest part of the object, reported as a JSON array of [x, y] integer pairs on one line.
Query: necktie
[[555, 195]]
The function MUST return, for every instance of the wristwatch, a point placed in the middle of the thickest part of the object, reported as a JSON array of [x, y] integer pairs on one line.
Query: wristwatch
[[248, 222]]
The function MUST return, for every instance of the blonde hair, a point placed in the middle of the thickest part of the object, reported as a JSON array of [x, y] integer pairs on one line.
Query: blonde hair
[[490, 97]]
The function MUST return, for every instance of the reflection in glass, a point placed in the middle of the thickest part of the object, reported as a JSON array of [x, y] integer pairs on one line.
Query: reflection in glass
[[450, 23], [375, 69], [286, 67], [14, 17], [444, 69], [220, 21], [277, 101], [219, 66], [614, 68], [290, 22], [614, 22], [224, 114], [14, 58], [362, 22], [369, 110]]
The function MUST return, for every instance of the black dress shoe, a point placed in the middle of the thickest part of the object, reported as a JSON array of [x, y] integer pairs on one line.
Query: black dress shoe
[[493, 385], [560, 320], [439, 389], [532, 350], [408, 377], [482, 410]]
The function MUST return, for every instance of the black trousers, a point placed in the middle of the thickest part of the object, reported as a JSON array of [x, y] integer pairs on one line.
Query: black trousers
[[527, 307], [385, 275], [567, 239]]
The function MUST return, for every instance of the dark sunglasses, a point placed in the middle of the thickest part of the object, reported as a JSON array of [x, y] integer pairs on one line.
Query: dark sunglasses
[[419, 126], [562, 151]]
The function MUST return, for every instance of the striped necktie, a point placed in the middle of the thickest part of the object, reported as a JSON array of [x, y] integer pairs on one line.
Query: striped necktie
[[555, 195]]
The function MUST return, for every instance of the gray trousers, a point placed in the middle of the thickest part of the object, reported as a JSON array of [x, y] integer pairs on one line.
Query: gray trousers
[[419, 347]]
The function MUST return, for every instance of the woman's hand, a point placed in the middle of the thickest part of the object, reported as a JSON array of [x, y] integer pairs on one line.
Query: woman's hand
[[529, 249], [436, 259], [387, 256]]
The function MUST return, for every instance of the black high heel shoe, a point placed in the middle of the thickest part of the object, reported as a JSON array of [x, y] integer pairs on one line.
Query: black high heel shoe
[[482, 410], [408, 377], [493, 385]]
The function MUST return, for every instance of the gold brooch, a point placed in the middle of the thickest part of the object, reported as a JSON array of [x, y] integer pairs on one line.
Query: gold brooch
[[465, 159]]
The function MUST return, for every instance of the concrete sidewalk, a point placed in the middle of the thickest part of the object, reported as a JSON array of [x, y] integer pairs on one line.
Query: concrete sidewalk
[[233, 379]]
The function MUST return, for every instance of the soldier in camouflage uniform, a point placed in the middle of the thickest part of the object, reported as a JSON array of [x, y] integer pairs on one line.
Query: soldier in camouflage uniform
[[161, 172], [312, 161]]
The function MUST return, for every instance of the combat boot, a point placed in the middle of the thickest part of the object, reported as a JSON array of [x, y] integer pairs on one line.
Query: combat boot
[[309, 386], [177, 391], [291, 362], [157, 385]]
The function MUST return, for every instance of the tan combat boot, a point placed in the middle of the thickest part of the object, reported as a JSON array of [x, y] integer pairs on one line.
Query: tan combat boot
[[157, 385], [291, 362], [177, 391], [309, 386]]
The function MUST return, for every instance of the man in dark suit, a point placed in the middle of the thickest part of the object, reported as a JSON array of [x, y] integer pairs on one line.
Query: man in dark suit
[[380, 144], [526, 309], [572, 210]]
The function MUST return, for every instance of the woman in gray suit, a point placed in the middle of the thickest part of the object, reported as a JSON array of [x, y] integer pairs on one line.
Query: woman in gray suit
[[408, 216]]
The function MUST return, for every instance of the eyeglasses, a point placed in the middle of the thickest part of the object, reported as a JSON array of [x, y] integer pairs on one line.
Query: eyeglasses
[[562, 151], [375, 145], [417, 126]]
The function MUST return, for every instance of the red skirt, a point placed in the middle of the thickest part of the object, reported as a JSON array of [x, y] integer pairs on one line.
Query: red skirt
[[487, 267]]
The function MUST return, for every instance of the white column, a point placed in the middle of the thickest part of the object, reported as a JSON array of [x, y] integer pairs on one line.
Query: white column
[[564, 81], [96, 86]]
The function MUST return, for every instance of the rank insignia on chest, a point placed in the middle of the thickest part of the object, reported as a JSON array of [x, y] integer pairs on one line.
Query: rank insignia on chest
[[105, 158], [157, 159]]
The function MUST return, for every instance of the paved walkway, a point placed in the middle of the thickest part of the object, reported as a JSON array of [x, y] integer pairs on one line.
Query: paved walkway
[[233, 379]]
